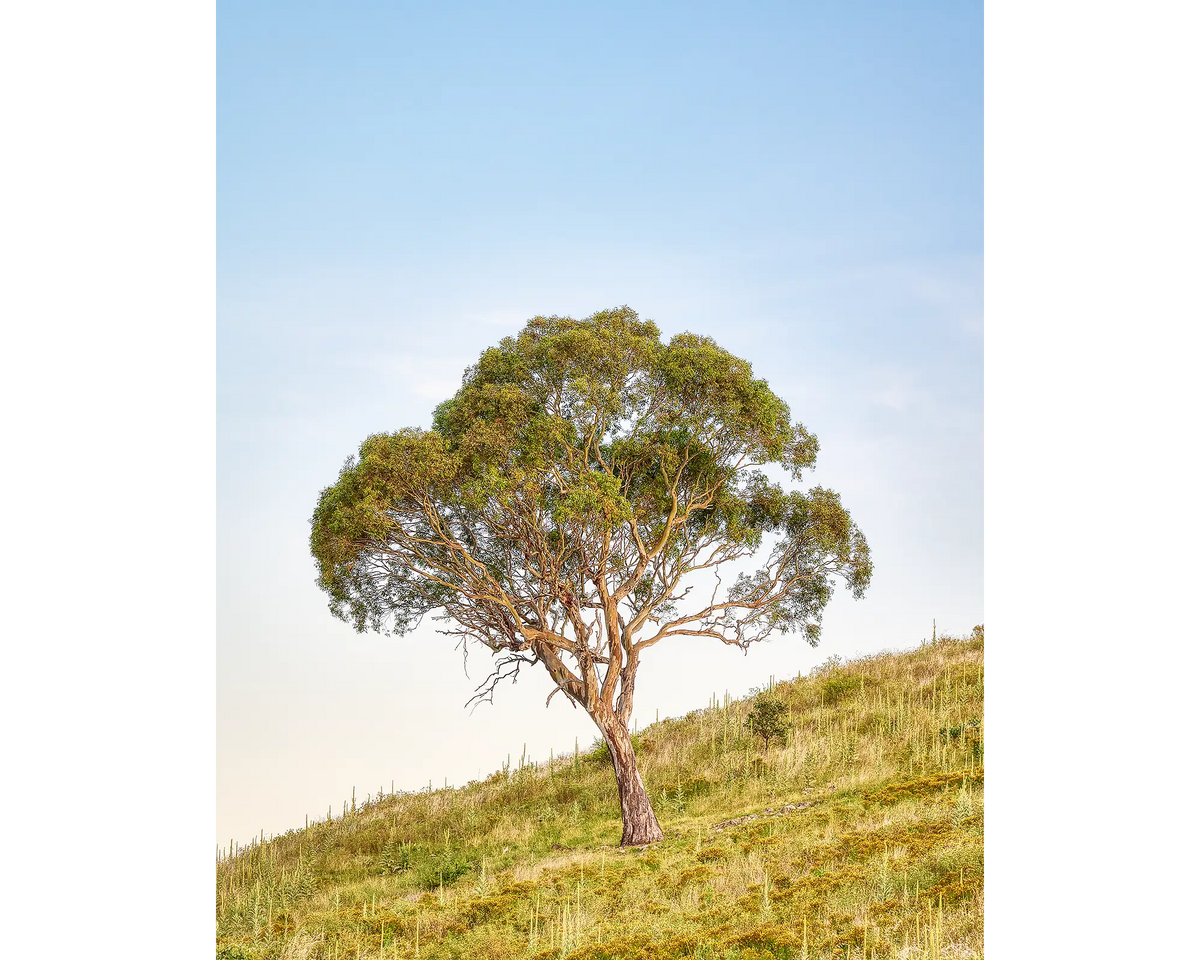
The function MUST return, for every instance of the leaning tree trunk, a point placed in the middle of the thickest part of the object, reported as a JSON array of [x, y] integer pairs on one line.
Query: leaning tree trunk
[[639, 825]]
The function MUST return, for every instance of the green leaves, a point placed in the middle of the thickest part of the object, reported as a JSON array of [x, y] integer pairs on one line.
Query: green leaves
[[396, 858], [584, 459], [593, 495], [769, 718]]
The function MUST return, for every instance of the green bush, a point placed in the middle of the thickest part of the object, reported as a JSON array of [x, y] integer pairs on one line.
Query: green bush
[[698, 787], [442, 870], [966, 733], [396, 858], [600, 754], [840, 686], [769, 718]]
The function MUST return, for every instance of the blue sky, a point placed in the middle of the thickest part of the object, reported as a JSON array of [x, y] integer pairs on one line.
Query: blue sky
[[398, 187]]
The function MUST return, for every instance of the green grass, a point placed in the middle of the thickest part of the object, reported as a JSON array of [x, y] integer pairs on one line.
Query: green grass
[[860, 837]]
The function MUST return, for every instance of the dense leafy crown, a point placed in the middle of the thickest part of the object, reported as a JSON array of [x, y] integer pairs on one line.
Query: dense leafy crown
[[566, 492]]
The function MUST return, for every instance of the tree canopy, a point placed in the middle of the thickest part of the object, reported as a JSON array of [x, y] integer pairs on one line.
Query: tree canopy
[[567, 493]]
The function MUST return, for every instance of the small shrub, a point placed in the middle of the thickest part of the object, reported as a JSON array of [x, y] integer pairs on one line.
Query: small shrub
[[693, 875], [839, 686], [769, 718], [675, 800], [395, 858], [487, 909], [442, 870], [921, 786], [966, 733], [698, 787], [600, 754], [770, 936]]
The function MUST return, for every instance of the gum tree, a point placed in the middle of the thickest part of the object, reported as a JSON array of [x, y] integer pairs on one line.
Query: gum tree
[[570, 497]]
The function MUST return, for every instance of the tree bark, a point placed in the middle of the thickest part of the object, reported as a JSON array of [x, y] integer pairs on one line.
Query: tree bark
[[639, 825]]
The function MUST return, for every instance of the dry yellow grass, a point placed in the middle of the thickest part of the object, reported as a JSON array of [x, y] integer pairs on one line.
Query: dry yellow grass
[[879, 852]]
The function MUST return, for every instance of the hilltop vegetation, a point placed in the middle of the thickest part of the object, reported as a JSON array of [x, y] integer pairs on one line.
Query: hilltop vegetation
[[860, 836]]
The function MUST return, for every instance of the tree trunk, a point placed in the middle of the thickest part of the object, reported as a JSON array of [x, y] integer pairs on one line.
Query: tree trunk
[[639, 825]]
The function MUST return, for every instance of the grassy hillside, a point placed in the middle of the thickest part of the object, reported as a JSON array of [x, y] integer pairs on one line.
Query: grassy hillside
[[861, 837]]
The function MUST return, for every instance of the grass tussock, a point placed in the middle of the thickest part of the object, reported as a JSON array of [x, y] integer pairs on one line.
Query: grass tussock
[[860, 836]]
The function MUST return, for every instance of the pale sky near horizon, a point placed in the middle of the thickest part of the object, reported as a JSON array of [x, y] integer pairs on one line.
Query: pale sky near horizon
[[400, 187]]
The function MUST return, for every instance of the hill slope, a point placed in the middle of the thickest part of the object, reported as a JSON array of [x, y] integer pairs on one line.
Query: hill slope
[[861, 837]]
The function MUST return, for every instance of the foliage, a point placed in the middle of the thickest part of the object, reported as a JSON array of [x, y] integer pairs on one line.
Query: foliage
[[769, 718], [968, 732], [584, 462], [443, 869], [567, 498], [396, 857], [600, 754], [837, 688]]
